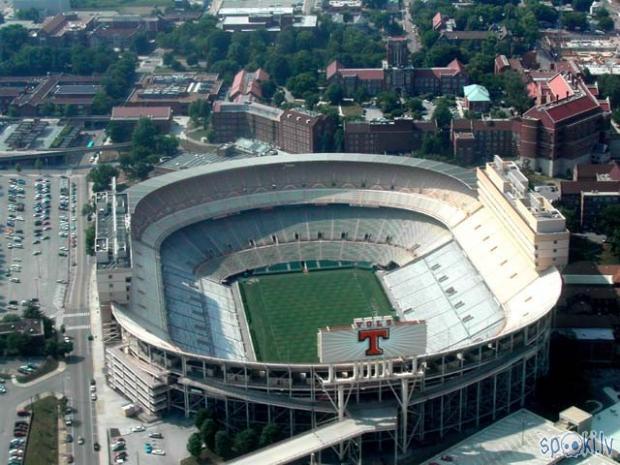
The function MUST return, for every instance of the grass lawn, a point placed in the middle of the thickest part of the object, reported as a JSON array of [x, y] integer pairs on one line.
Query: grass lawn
[[285, 311], [42, 446], [351, 109]]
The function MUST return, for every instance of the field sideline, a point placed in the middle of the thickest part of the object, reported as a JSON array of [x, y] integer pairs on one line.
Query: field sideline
[[285, 311]]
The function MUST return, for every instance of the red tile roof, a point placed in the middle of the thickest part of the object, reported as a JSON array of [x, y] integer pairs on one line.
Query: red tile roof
[[560, 88], [576, 187], [437, 21], [131, 113], [590, 172], [332, 69], [369, 74]]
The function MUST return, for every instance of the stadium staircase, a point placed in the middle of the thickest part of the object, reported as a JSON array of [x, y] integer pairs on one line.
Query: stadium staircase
[[333, 435]]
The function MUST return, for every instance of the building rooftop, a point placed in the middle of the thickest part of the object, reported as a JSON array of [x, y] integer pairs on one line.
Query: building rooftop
[[514, 185], [476, 93], [112, 237], [134, 113], [513, 440]]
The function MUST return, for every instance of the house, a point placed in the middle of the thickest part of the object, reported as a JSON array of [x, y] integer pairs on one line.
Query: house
[[246, 85], [477, 98], [160, 116]]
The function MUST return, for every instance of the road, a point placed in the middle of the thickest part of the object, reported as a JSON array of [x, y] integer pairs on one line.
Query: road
[[77, 323], [412, 34]]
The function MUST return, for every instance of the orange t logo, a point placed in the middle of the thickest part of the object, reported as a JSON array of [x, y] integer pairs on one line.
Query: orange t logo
[[373, 336]]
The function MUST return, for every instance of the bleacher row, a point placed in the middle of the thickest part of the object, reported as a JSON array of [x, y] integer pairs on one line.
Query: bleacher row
[[202, 316], [216, 240], [197, 190], [444, 289]]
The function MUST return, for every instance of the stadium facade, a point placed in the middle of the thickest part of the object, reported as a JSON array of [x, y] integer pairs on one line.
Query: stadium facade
[[471, 255]]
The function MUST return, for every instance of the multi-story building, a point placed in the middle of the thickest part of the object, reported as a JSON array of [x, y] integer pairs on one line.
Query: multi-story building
[[112, 252], [175, 90], [386, 136], [593, 188], [397, 52], [537, 228], [160, 116], [478, 140], [557, 135], [42, 92], [447, 80], [66, 29], [119, 30], [294, 131]]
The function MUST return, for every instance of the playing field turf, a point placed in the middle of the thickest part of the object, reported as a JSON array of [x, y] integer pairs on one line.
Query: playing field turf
[[284, 311]]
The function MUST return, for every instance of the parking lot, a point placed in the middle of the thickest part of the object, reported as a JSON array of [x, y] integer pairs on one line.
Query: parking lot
[[145, 444], [36, 236]]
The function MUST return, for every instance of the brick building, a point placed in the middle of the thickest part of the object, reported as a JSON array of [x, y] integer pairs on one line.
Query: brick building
[[479, 140], [396, 75], [175, 90], [563, 132], [32, 96], [593, 188], [386, 136], [294, 131]]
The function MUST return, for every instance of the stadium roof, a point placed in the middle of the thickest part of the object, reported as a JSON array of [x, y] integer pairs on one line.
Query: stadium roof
[[139, 191]]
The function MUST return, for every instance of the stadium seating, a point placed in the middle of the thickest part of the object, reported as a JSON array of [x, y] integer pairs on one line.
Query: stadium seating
[[201, 313], [376, 179], [444, 289]]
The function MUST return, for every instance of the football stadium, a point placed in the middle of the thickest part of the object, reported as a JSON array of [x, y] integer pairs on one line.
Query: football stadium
[[344, 297]]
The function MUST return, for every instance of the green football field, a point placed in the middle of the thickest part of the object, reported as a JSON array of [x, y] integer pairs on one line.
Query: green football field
[[284, 311]]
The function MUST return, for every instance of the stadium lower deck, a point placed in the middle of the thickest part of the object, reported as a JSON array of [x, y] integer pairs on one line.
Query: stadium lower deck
[[429, 278]]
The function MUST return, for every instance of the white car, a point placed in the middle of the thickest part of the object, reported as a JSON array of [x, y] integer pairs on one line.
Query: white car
[[93, 396], [158, 452], [138, 429], [36, 252]]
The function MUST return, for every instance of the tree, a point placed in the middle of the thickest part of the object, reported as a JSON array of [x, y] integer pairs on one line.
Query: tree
[[388, 101], [582, 5], [38, 164], [89, 240], [208, 431], [194, 445], [573, 20], [201, 415], [17, 343], [606, 23], [199, 111], [30, 14], [140, 44], [334, 93], [269, 435], [442, 114], [118, 131], [101, 177], [245, 441], [223, 445], [301, 84], [144, 133], [609, 85], [18, 167], [102, 104]]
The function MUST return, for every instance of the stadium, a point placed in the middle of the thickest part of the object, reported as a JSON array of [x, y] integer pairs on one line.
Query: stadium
[[392, 298]]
